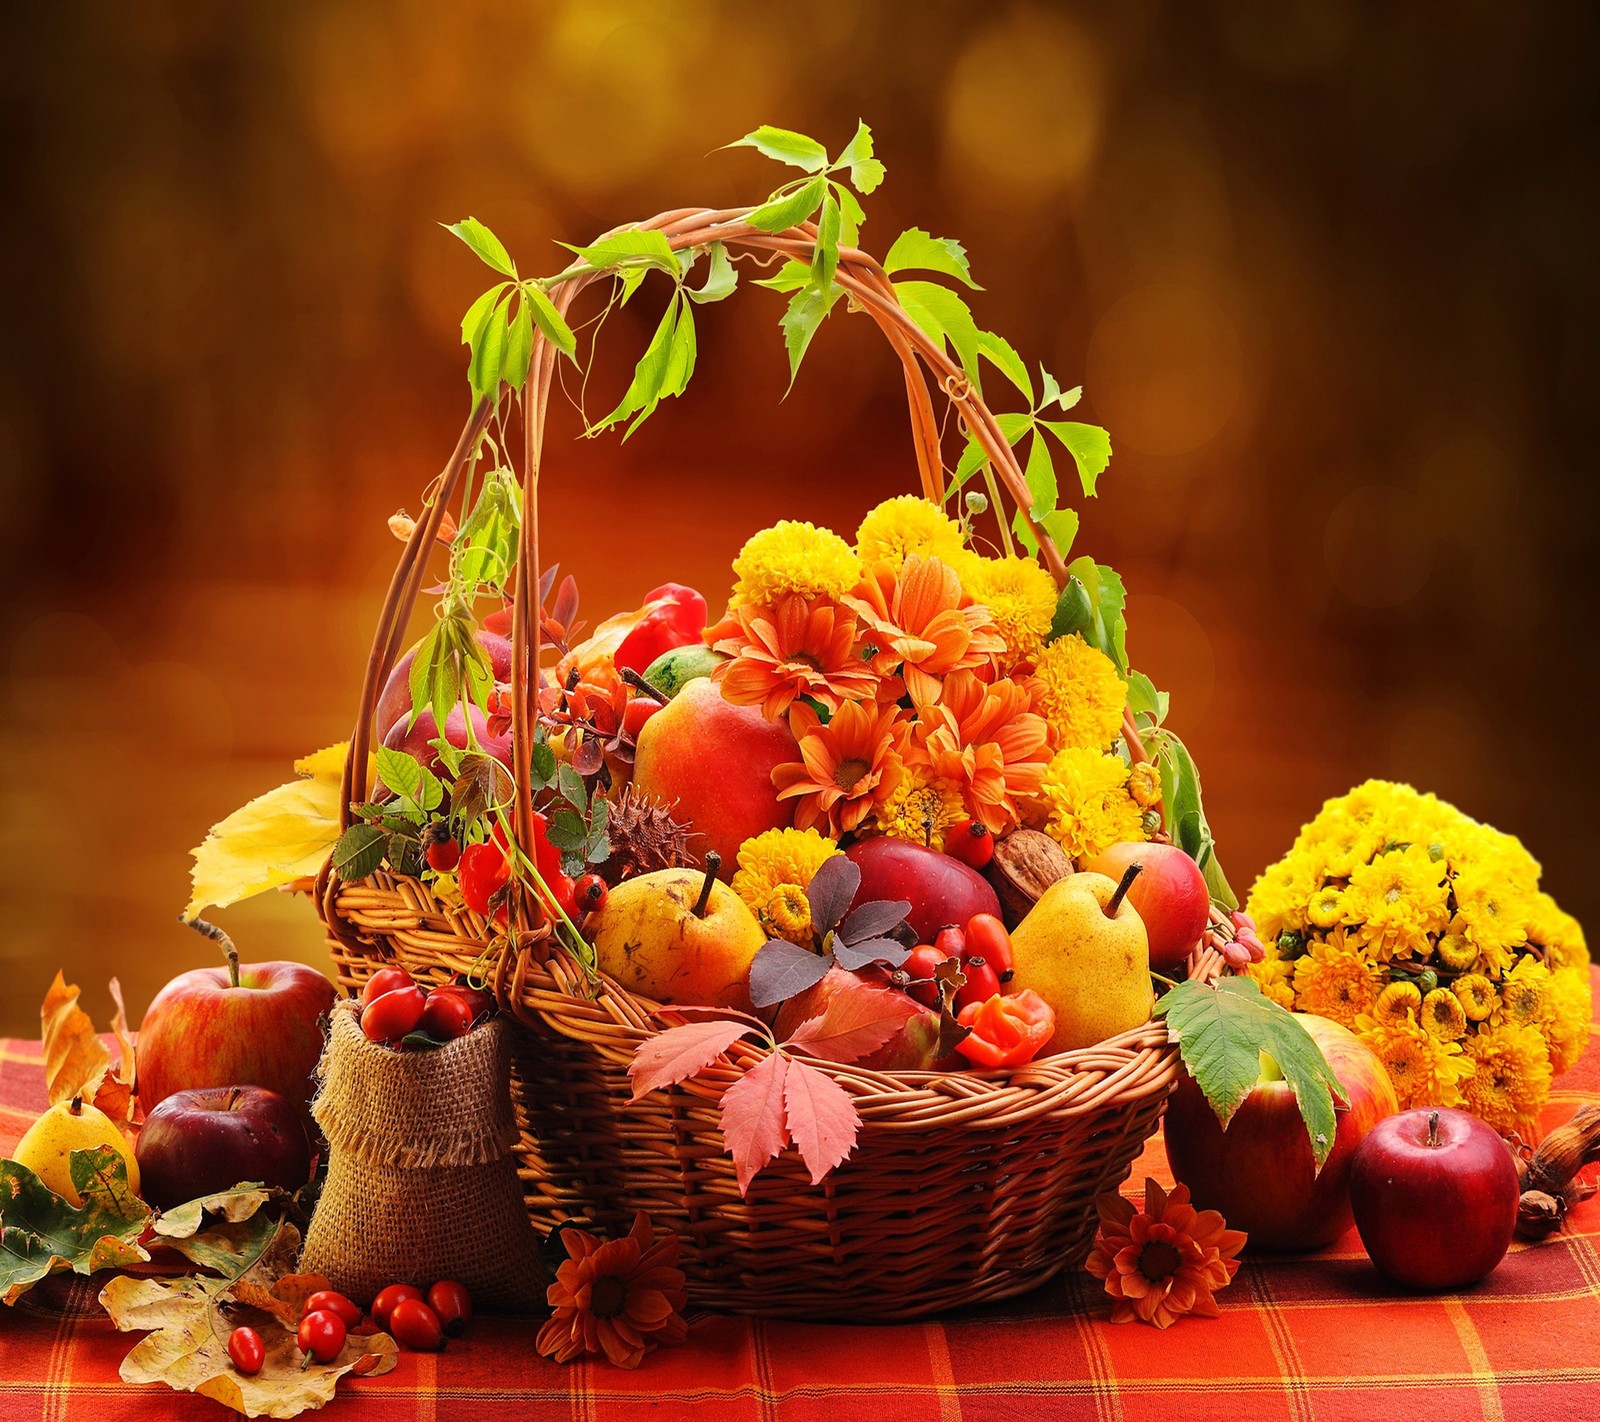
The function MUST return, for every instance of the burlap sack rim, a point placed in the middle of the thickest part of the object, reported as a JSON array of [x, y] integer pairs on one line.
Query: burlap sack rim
[[365, 1087]]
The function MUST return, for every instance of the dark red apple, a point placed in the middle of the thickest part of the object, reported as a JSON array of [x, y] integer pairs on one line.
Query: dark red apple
[[255, 1025], [1435, 1195], [204, 1142], [1170, 896], [417, 740], [940, 890], [394, 701], [1259, 1172]]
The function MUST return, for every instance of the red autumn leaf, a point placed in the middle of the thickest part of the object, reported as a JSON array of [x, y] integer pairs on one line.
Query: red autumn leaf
[[671, 1057], [753, 1113], [856, 1023], [821, 1117]]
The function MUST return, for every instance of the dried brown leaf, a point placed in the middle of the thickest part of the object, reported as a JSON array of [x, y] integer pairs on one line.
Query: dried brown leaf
[[74, 1056]]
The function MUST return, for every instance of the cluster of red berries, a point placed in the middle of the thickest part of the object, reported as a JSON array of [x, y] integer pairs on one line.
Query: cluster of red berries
[[394, 1006], [982, 950], [415, 1321], [483, 874]]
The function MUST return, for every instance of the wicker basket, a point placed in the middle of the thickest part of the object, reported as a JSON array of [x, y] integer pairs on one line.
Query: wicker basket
[[963, 1187]]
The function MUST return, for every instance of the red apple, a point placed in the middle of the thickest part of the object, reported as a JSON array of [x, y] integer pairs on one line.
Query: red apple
[[204, 1142], [394, 701], [1259, 1172], [1170, 896], [940, 890], [1435, 1194], [417, 740], [913, 1047], [256, 1025]]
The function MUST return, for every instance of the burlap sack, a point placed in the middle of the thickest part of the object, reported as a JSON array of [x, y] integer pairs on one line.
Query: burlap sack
[[421, 1182]]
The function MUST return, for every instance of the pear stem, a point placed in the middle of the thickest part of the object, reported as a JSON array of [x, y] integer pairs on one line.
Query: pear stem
[[1433, 1129], [713, 863], [216, 935], [1131, 873], [638, 683], [77, 1106]]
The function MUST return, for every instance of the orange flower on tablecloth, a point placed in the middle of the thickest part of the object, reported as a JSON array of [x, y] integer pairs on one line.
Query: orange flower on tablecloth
[[1165, 1260], [846, 768], [984, 737], [800, 647], [620, 1297], [916, 621]]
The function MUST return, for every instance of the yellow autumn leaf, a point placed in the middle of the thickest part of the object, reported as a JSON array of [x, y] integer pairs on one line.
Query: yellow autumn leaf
[[277, 838]]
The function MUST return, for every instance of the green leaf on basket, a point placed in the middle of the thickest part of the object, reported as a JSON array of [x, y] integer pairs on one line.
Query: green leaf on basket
[[866, 172], [1228, 1033], [721, 277], [635, 246], [1184, 812], [41, 1234], [418, 786], [791, 276], [785, 210], [805, 312], [1144, 699], [482, 241], [650, 375], [914, 249], [1089, 445], [1002, 354], [486, 364], [1091, 605], [519, 347], [479, 310], [825, 257], [943, 316], [359, 852], [549, 320], [785, 146]]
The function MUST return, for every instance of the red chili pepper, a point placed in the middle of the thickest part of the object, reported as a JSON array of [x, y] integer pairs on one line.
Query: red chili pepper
[[1006, 1031], [676, 618]]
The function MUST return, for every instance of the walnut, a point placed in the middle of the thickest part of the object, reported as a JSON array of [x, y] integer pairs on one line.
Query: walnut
[[1025, 864]]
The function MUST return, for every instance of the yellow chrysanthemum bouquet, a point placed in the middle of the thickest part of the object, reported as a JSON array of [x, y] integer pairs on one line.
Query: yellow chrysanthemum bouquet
[[1426, 933]]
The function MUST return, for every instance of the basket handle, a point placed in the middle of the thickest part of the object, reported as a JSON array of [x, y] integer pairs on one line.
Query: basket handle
[[869, 288]]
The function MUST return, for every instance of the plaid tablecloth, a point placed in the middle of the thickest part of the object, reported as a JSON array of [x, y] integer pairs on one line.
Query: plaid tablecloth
[[1299, 1339]]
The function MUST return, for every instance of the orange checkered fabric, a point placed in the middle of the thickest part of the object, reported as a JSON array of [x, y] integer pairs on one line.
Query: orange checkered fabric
[[1309, 1339]]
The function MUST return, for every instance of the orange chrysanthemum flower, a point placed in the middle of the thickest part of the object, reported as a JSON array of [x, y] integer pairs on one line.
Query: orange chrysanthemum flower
[[1165, 1260], [987, 740], [915, 620], [622, 1297], [801, 647], [845, 768]]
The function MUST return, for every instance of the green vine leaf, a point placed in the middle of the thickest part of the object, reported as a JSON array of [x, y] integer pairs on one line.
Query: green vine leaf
[[1144, 700], [479, 311], [943, 317], [1224, 1032], [785, 146], [791, 276], [721, 277], [1183, 810], [806, 310], [487, 361], [785, 210], [550, 321], [915, 250], [489, 248], [519, 347], [359, 852], [825, 257], [1002, 354], [866, 172], [1053, 393], [1089, 446], [634, 245], [1091, 604]]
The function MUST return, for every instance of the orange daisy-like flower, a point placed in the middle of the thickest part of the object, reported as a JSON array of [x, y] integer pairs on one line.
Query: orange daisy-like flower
[[986, 739], [845, 768], [621, 1297], [1165, 1260], [801, 647], [914, 622]]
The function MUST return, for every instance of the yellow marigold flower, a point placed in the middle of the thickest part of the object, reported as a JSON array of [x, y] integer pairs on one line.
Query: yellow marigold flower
[[1478, 997], [921, 808], [1399, 1002], [1491, 914], [1559, 933], [1442, 1015], [1326, 907], [907, 525], [1567, 1013], [1278, 898], [1511, 1077], [773, 864], [793, 558], [1332, 979], [1077, 690], [1274, 976], [1021, 596], [1396, 902], [1502, 856], [1425, 1070], [1456, 952], [1144, 784], [1089, 808], [1337, 844], [1522, 993]]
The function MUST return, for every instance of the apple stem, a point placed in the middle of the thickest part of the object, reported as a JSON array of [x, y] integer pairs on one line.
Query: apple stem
[[638, 683], [217, 935], [1129, 874], [713, 863], [1433, 1129]]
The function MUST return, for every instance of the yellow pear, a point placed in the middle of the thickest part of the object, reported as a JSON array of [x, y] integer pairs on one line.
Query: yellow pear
[[47, 1147], [1083, 949], [679, 935]]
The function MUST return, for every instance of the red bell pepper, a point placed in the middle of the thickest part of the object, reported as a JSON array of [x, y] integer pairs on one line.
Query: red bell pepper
[[677, 617], [1006, 1031]]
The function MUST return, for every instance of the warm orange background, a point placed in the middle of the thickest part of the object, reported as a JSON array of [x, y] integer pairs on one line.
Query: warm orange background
[[1327, 272]]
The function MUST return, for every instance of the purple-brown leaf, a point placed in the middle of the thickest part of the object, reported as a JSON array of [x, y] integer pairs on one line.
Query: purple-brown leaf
[[832, 888], [875, 950], [873, 920], [781, 969]]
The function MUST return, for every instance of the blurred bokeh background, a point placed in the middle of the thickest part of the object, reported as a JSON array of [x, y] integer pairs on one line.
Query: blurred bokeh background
[[1327, 271]]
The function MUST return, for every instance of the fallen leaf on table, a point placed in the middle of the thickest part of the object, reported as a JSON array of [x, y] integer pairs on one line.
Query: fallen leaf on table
[[41, 1234], [276, 839], [184, 1221], [190, 1320]]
